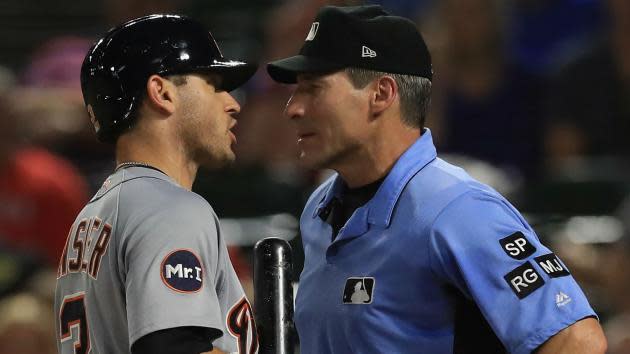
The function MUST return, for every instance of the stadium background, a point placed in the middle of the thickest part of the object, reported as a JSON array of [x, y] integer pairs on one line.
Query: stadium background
[[530, 96]]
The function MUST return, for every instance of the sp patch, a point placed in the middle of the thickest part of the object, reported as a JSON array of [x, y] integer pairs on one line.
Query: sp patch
[[524, 280], [181, 271], [551, 265], [517, 246], [358, 291]]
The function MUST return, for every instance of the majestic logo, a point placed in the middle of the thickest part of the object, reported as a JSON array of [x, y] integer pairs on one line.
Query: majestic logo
[[313, 32], [240, 323], [551, 265], [358, 291], [517, 246], [524, 280], [562, 299], [367, 52], [181, 271]]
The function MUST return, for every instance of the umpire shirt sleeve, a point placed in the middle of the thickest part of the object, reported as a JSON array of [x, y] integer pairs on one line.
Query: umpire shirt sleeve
[[483, 246], [170, 263]]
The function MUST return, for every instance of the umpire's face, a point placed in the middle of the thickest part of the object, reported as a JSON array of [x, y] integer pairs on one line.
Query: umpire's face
[[331, 118]]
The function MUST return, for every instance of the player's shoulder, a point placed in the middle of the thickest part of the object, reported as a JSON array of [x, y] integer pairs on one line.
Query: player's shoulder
[[151, 191]]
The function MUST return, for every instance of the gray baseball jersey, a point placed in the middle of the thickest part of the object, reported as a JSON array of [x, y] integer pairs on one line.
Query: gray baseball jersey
[[144, 255]]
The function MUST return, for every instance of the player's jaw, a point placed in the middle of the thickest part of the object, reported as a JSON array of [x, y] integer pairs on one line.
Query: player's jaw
[[218, 143]]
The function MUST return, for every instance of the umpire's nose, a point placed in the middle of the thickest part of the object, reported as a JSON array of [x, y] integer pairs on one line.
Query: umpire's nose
[[294, 108]]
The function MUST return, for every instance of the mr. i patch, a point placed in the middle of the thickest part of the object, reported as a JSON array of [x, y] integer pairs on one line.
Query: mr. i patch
[[181, 271]]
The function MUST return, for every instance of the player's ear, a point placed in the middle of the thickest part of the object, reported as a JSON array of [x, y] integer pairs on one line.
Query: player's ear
[[385, 91], [161, 94]]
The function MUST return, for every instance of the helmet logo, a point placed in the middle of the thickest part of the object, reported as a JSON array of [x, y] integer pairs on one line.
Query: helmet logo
[[95, 123]]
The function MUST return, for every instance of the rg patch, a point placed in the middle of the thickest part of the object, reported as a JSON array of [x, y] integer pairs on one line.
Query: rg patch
[[181, 271], [358, 290], [524, 280], [517, 246]]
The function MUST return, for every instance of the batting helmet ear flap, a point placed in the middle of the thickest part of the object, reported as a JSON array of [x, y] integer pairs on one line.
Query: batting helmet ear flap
[[109, 104]]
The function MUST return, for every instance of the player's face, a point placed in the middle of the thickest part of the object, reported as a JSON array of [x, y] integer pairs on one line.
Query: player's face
[[206, 121], [331, 119]]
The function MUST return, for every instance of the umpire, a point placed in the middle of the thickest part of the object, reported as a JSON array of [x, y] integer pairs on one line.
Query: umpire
[[406, 253]]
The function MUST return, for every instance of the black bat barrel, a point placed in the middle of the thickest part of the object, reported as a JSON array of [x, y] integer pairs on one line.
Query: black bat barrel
[[273, 299]]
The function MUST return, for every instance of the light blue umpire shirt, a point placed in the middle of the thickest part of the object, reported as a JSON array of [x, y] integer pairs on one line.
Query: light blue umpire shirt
[[430, 239]]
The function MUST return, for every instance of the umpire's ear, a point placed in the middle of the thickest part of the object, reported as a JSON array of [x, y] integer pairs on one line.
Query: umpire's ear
[[160, 94], [384, 95]]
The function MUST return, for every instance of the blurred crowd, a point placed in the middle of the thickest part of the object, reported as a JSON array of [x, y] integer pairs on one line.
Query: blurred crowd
[[530, 96]]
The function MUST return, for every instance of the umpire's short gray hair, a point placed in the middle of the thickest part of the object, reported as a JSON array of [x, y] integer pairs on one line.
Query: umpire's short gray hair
[[414, 91]]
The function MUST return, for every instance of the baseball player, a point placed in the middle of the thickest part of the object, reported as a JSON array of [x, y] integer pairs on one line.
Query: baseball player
[[145, 268], [446, 263]]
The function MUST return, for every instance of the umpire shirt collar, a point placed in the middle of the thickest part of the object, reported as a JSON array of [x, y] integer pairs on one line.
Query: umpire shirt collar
[[378, 211]]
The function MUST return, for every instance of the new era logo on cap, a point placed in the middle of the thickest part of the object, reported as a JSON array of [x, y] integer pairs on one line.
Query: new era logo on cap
[[313, 32], [367, 52]]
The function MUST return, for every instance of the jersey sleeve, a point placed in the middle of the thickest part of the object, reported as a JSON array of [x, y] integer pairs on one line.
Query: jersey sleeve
[[170, 258], [240, 335], [483, 246]]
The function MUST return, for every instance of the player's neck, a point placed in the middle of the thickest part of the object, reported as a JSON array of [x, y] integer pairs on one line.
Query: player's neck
[[157, 154]]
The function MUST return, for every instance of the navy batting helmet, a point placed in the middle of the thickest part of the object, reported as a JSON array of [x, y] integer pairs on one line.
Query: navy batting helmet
[[116, 69]]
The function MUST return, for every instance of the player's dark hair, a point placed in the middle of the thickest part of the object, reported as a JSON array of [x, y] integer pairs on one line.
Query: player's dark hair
[[414, 91], [177, 80]]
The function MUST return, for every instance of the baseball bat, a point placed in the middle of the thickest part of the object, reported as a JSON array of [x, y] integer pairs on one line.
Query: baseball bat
[[273, 296]]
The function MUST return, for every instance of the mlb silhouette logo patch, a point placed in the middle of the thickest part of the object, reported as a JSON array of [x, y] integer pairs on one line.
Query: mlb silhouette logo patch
[[358, 291]]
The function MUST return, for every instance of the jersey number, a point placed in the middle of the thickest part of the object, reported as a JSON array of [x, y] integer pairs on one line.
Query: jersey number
[[241, 324], [72, 314]]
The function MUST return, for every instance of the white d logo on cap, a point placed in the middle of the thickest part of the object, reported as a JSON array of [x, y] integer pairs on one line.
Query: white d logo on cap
[[313, 31]]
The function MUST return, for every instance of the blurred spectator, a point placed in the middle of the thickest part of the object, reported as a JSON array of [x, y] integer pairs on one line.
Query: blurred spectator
[[52, 109], [40, 193], [490, 110], [7, 79], [617, 282], [408, 8], [541, 34], [597, 250], [26, 325], [54, 64], [590, 100]]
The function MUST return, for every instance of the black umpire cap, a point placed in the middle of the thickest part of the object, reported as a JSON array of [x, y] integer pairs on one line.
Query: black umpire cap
[[360, 36]]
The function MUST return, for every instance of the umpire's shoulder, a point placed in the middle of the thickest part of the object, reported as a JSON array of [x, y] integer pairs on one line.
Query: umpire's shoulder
[[439, 184]]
